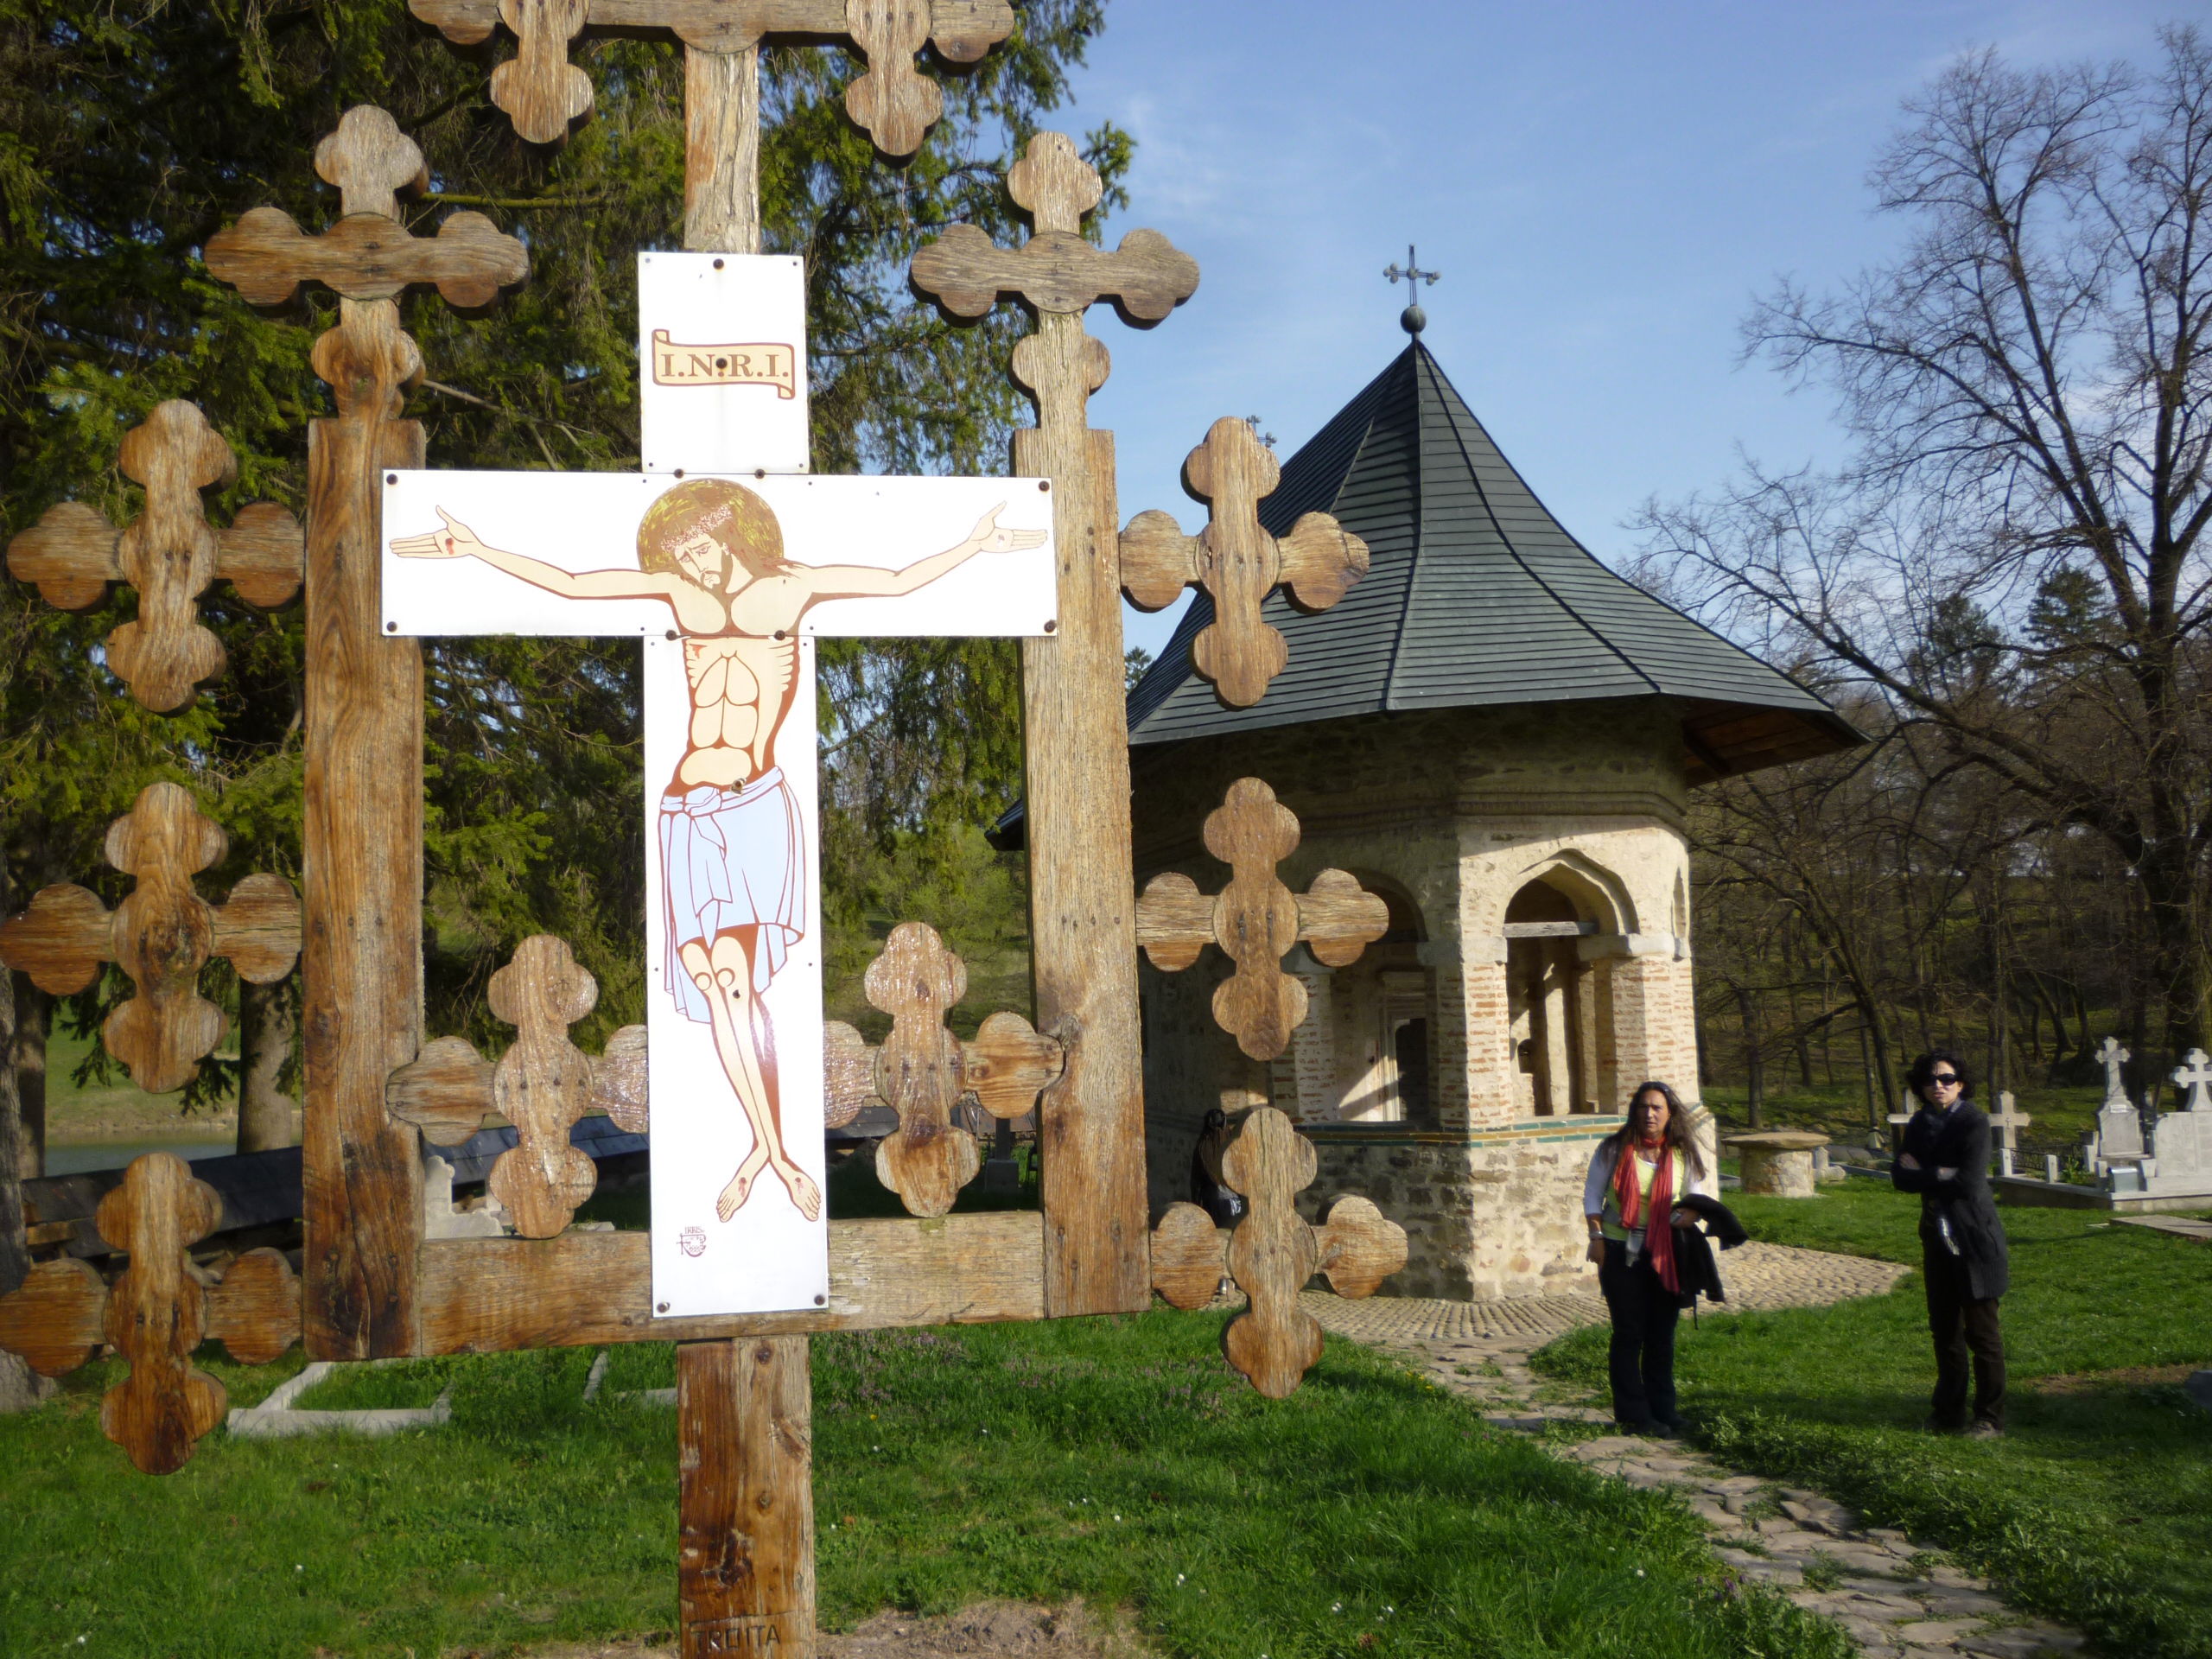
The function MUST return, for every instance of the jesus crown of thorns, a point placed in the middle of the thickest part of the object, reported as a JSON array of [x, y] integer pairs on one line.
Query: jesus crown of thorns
[[739, 521]]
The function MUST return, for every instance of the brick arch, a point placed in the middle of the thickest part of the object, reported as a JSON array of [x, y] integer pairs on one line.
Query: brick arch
[[1596, 894]]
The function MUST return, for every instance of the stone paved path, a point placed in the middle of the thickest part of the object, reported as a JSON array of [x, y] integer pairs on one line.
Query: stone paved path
[[1898, 1600]]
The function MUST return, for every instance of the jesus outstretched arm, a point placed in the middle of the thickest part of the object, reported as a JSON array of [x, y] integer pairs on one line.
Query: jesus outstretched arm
[[868, 582], [458, 541]]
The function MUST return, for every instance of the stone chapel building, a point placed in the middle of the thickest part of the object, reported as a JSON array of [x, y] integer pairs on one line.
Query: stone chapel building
[[1498, 736]]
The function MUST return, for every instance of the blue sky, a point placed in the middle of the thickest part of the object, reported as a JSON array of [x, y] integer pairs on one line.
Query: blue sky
[[1604, 186]]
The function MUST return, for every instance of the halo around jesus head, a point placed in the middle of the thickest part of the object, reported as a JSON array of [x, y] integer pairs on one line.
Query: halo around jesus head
[[740, 522]]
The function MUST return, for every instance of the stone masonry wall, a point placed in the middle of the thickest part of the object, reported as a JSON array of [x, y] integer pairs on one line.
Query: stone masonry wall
[[1497, 1216]]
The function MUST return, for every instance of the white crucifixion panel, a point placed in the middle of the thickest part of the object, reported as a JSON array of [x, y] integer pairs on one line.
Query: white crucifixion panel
[[721, 362], [725, 580]]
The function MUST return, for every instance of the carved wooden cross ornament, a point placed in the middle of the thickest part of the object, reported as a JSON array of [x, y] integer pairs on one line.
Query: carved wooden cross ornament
[[161, 936], [544, 93], [159, 1311], [367, 255], [1256, 919], [1273, 1252], [1061, 275], [170, 554], [542, 1085], [1237, 563], [923, 1070]]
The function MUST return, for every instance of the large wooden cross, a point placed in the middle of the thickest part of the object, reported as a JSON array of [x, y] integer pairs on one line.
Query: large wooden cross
[[728, 579]]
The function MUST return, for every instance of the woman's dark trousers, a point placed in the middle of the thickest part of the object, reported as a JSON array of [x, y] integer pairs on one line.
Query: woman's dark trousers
[[1962, 1327], [1642, 1356]]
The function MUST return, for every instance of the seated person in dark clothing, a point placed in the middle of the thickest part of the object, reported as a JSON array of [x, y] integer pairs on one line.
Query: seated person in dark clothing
[[1945, 1158], [1207, 1190]]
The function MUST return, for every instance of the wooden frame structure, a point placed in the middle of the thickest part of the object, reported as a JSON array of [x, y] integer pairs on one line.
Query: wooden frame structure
[[371, 1285]]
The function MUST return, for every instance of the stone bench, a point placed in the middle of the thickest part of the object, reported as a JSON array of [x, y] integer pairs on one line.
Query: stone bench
[[1778, 1163]]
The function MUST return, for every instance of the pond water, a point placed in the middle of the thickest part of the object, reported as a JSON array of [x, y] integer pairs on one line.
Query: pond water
[[75, 1160]]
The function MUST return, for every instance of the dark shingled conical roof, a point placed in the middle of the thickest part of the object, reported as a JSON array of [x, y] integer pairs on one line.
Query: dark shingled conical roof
[[1476, 596]]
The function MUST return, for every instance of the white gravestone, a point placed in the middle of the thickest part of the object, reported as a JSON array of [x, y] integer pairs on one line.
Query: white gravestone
[[2120, 1153], [2181, 1142], [2008, 1120], [727, 577]]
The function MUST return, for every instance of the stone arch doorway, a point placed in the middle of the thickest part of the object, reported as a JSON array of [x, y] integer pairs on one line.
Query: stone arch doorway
[[1364, 1053], [1557, 1000]]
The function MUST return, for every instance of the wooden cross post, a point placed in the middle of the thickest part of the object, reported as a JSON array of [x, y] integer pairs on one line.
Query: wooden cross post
[[1082, 931], [2008, 1121], [362, 838]]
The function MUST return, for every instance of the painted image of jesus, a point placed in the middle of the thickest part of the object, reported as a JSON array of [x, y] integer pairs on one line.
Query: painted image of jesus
[[734, 864]]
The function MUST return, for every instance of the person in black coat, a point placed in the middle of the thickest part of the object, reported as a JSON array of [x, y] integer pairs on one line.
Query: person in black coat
[[1945, 1158]]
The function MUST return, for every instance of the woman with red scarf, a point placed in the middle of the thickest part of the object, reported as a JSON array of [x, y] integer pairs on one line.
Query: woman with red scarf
[[1635, 1179]]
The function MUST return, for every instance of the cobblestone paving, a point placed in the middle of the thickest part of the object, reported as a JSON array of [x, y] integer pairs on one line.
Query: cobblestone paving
[[1895, 1599]]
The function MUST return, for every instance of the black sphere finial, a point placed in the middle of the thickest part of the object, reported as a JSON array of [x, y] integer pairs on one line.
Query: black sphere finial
[[1412, 319]]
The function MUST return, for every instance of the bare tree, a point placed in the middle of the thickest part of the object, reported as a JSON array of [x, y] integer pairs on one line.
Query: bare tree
[[2014, 561]]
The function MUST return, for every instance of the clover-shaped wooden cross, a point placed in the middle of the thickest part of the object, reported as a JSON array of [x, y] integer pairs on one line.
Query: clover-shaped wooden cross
[[157, 1314], [1060, 275], [543, 92], [169, 554], [1273, 1252], [541, 1084], [161, 936], [1237, 563], [1256, 919], [923, 1070], [367, 254]]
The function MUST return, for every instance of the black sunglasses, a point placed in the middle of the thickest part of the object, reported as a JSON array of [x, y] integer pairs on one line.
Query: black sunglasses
[[1951, 1077]]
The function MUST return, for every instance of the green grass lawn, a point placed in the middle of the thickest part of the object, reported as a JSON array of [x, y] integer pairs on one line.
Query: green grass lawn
[[1117, 1459], [2097, 1506]]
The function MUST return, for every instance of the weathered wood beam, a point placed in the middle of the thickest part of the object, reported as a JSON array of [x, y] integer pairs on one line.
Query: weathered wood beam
[[487, 1295]]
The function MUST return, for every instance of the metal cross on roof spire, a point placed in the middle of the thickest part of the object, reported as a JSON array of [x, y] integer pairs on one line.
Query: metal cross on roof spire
[[1412, 319], [1413, 273]]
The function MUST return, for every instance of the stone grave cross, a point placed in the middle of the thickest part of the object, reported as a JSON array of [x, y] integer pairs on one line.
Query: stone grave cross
[[2007, 1120], [2194, 1078], [2119, 1152]]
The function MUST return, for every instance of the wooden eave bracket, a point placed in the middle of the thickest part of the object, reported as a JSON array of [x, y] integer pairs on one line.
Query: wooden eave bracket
[[545, 95], [161, 936], [169, 553], [1237, 562], [157, 1312], [922, 1071], [1273, 1252], [1256, 919]]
